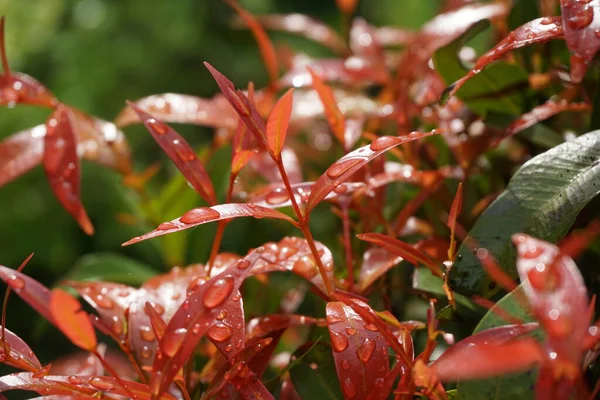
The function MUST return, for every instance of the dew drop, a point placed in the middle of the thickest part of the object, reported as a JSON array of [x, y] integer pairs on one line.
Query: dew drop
[[222, 315], [305, 267], [349, 388], [345, 364], [75, 380], [146, 352], [15, 282], [383, 142], [172, 343], [229, 347], [350, 331], [341, 166], [157, 126], [313, 365], [166, 226], [104, 302], [243, 264], [147, 334], [339, 342], [546, 21], [371, 327], [217, 292], [219, 332], [581, 19], [365, 350], [277, 196], [199, 215], [100, 383]]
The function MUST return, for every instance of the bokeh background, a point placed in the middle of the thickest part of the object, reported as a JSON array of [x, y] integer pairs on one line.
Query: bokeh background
[[95, 54]]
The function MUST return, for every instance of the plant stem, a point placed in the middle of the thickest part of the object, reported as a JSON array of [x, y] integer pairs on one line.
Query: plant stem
[[220, 228], [348, 244], [111, 371]]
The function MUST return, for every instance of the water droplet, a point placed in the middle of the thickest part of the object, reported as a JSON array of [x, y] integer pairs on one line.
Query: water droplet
[[277, 196], [345, 364], [229, 347], [172, 343], [581, 19], [217, 292], [305, 267], [183, 150], [349, 388], [365, 350], [100, 383], [147, 334], [117, 326], [15, 282], [222, 315], [219, 332], [146, 352], [546, 21], [383, 142], [341, 166], [243, 263], [371, 327], [313, 365], [104, 302], [75, 380], [166, 226], [350, 331], [157, 126], [199, 215], [339, 342]]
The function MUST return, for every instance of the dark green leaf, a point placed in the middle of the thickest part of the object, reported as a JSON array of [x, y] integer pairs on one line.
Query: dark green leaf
[[542, 199], [315, 377], [111, 267]]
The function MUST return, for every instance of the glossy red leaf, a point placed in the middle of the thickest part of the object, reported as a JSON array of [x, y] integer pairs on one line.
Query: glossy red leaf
[[276, 196], [345, 167], [202, 215], [183, 109], [16, 353], [376, 262], [192, 320], [386, 383], [36, 295], [61, 165], [490, 353], [307, 27], [181, 153], [334, 116], [540, 30], [404, 250], [581, 24], [240, 159], [72, 320], [541, 113], [455, 210], [360, 352], [555, 290], [20, 153], [279, 121], [75, 385], [267, 51]]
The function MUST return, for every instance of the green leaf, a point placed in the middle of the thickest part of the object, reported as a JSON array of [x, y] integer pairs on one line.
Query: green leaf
[[512, 386], [496, 88], [315, 377], [542, 199], [111, 267]]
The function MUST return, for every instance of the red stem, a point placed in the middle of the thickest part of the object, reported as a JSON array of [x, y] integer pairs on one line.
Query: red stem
[[111, 371], [348, 244], [220, 228]]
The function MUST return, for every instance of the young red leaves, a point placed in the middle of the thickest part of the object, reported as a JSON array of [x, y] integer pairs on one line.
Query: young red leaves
[[341, 170], [278, 123], [581, 24], [455, 210], [334, 116], [16, 353], [202, 215], [61, 164], [178, 150], [359, 350], [72, 320], [267, 51]]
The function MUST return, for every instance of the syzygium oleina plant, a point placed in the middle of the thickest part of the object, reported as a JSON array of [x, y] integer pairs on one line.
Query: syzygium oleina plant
[[428, 196]]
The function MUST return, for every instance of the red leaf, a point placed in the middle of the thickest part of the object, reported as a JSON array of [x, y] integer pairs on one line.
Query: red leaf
[[21, 152], [542, 112], [202, 215], [182, 109], [36, 295], [334, 116], [72, 320], [75, 385], [263, 164], [267, 51], [382, 391], [555, 290], [455, 210], [276, 196], [192, 320], [345, 167], [402, 249], [278, 122], [359, 351], [581, 22], [61, 164], [307, 27], [19, 355], [376, 262], [180, 152], [489, 353], [240, 159], [540, 30]]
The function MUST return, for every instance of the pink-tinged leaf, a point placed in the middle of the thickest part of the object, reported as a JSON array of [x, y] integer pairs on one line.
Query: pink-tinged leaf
[[66, 397], [72, 320], [61, 165], [393, 36], [305, 26], [334, 116], [363, 40], [345, 167], [359, 350], [267, 51], [242, 106], [181, 153], [581, 24], [21, 152], [276, 196], [202, 215], [36, 295], [17, 353], [183, 109], [266, 326], [192, 320], [404, 250], [75, 385], [555, 290], [376, 262], [540, 30], [490, 353], [157, 323], [279, 121], [240, 159], [543, 112], [386, 383]]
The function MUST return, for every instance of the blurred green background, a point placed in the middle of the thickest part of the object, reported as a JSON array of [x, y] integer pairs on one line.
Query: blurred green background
[[95, 54]]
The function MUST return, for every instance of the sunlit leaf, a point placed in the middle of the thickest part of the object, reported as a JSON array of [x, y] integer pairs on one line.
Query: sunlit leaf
[[335, 118], [72, 320], [278, 122]]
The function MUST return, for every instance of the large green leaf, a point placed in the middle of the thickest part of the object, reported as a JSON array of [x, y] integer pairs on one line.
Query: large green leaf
[[314, 376], [110, 267], [542, 199], [512, 386]]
